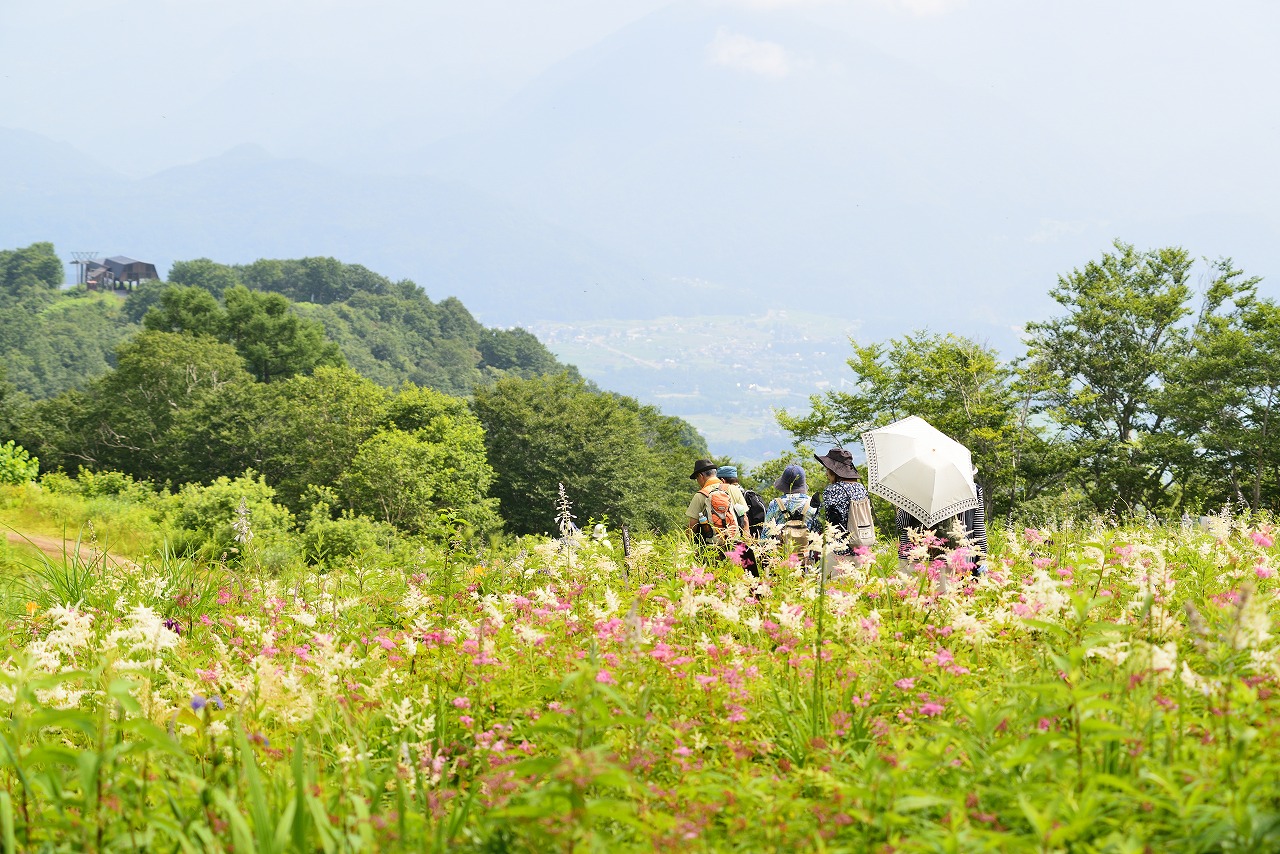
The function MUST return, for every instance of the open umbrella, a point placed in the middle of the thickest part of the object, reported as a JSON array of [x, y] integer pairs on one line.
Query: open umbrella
[[920, 469]]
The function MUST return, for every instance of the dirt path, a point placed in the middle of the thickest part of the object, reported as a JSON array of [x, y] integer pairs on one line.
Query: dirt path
[[56, 548]]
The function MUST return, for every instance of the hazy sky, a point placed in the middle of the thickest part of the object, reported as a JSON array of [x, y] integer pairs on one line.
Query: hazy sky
[[1149, 83]]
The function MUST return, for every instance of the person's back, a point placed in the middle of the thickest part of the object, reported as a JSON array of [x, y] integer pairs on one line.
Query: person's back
[[786, 517], [844, 493], [711, 515], [969, 526]]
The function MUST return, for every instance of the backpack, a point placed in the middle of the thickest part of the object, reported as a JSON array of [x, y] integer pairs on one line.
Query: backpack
[[862, 528], [794, 534], [721, 519], [755, 511]]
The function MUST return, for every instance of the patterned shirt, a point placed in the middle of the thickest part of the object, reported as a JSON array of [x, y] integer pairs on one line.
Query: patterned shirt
[[779, 508], [836, 499]]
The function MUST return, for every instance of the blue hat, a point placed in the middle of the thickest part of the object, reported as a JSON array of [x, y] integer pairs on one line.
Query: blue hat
[[792, 480], [727, 471]]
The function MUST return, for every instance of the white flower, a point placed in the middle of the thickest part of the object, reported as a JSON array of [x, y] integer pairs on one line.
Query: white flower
[[303, 618], [529, 634], [1194, 680]]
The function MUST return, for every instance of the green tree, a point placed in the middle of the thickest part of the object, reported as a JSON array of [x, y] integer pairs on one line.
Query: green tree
[[1107, 360], [1224, 393], [307, 429], [209, 276], [125, 420], [612, 456], [16, 465], [275, 342], [407, 480], [427, 456], [956, 384], [187, 309], [33, 272], [515, 351]]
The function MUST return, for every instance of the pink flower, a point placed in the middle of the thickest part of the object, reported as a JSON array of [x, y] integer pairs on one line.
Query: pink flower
[[944, 657], [604, 677], [1044, 724], [905, 684], [1264, 571], [697, 577], [1262, 538], [461, 703], [466, 720], [931, 709]]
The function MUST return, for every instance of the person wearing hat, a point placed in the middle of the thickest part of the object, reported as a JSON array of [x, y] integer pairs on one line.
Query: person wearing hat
[[743, 504], [729, 477], [701, 515], [754, 503], [844, 488], [786, 517]]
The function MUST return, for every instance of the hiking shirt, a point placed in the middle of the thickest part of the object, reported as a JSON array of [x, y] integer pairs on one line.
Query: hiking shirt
[[739, 500], [836, 500], [779, 508]]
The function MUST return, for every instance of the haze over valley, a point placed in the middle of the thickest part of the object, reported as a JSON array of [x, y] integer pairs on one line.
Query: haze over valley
[[791, 173]]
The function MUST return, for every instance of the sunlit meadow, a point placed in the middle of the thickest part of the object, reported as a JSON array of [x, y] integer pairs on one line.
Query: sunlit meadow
[[1100, 688]]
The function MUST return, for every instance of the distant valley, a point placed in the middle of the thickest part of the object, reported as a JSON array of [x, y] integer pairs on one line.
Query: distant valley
[[724, 374]]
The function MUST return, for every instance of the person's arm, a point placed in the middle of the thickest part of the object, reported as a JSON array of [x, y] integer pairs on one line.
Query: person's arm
[[696, 509]]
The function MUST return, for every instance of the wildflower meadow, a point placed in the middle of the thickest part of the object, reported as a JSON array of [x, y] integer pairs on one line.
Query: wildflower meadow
[[1103, 687]]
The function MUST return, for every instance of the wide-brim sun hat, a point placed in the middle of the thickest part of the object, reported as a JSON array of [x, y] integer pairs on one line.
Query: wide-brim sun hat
[[839, 462]]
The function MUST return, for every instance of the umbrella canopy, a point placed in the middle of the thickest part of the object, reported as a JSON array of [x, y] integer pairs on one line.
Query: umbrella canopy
[[920, 469]]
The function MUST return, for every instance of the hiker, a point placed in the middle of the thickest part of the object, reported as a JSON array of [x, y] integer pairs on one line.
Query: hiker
[[972, 525], [711, 515], [750, 510], [754, 503], [787, 516], [843, 497]]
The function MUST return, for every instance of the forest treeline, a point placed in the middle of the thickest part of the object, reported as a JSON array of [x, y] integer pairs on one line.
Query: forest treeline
[[1146, 393], [369, 400]]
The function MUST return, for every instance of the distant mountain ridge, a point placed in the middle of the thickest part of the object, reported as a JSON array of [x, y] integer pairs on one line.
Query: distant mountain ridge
[[506, 264]]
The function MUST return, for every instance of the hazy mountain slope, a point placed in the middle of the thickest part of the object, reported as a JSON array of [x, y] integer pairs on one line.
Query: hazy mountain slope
[[806, 167], [506, 265]]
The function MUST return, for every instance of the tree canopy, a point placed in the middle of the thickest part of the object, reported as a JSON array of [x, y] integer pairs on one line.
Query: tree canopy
[[614, 457]]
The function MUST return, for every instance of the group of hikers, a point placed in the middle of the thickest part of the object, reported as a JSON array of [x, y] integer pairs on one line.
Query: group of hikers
[[725, 516]]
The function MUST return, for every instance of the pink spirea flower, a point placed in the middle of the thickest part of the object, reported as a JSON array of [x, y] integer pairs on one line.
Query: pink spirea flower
[[929, 710], [905, 684], [697, 577], [461, 703], [944, 657], [604, 677], [1262, 538]]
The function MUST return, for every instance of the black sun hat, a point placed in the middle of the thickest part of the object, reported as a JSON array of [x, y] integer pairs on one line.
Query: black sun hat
[[840, 463], [700, 466]]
